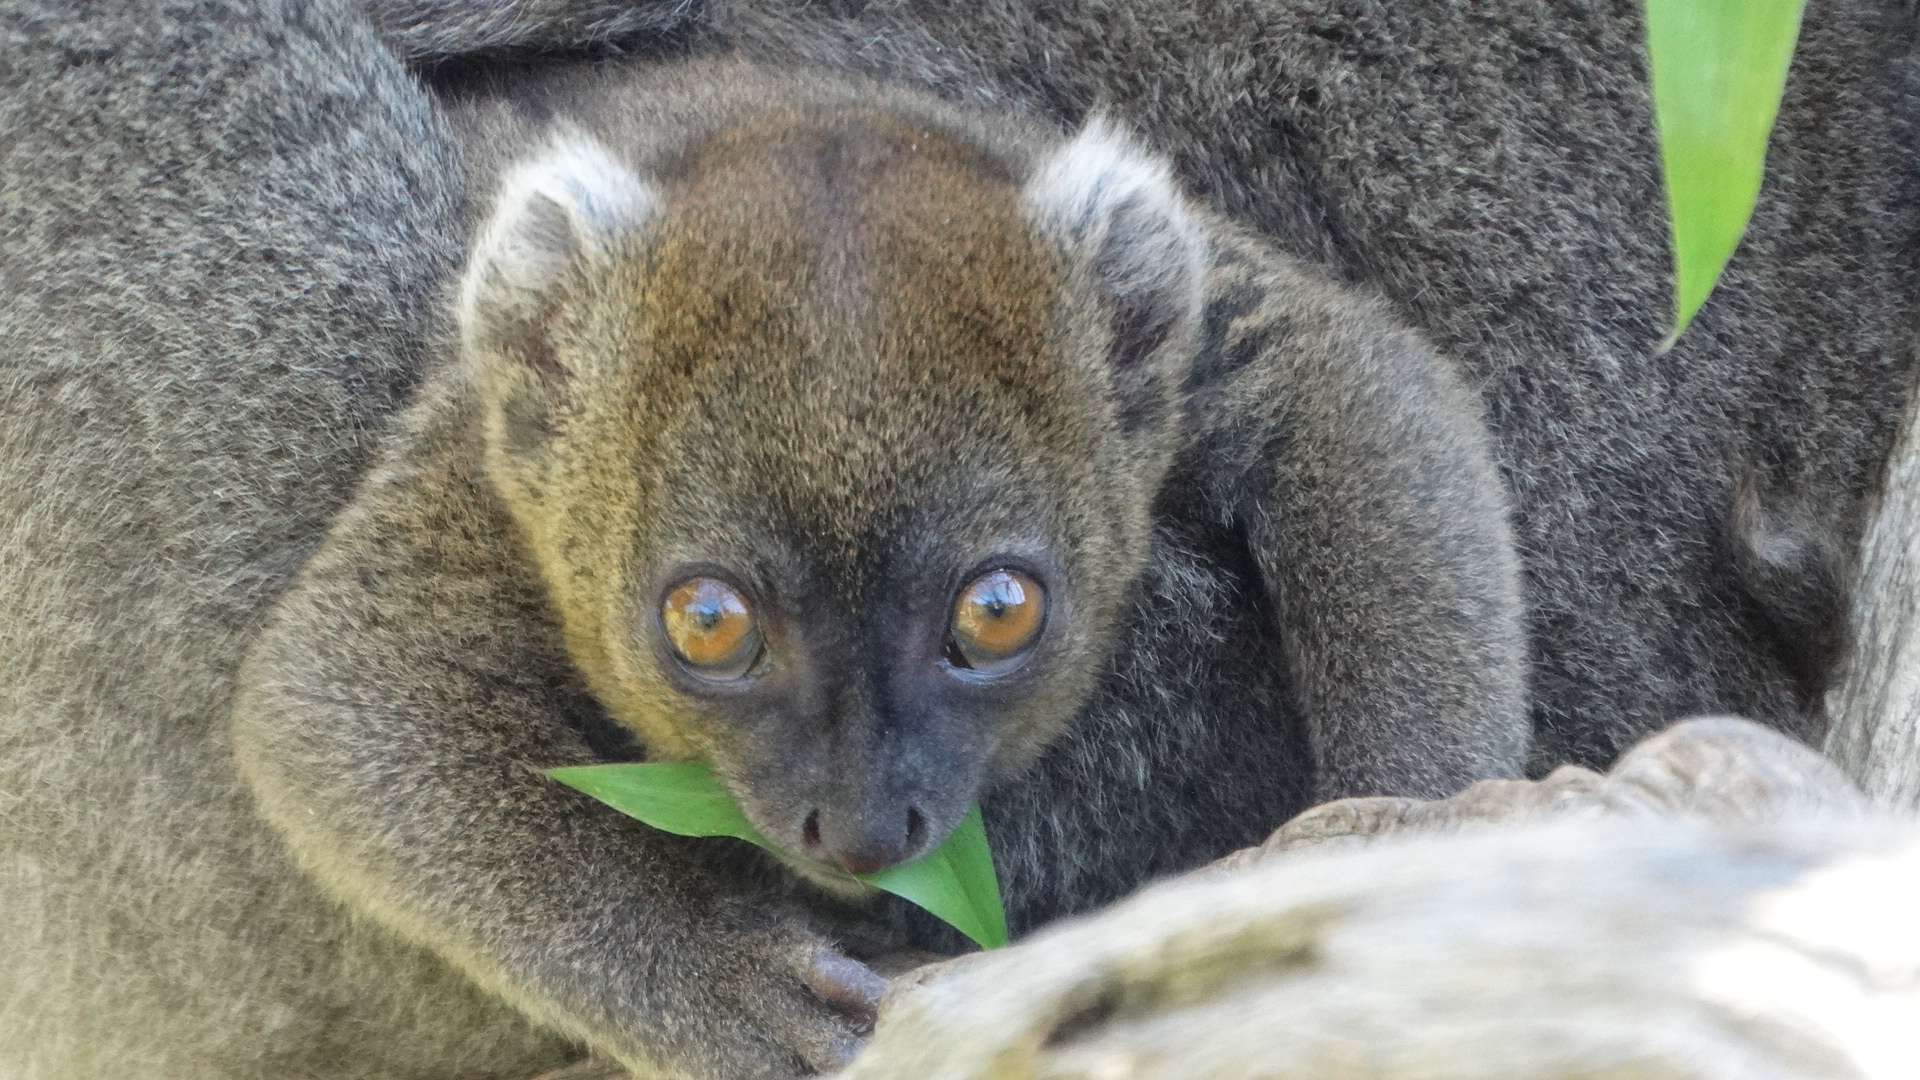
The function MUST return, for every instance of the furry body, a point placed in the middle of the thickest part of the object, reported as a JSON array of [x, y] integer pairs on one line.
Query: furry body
[[1686, 520], [225, 230], [1492, 171], [229, 235], [1322, 598]]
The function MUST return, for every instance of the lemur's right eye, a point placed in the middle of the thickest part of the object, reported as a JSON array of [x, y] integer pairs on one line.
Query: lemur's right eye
[[710, 628]]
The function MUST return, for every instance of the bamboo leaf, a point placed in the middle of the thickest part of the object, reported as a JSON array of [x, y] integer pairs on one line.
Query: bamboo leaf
[[1718, 69], [956, 881], [680, 797]]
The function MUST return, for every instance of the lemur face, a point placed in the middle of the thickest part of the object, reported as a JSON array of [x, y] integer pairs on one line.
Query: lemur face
[[836, 451]]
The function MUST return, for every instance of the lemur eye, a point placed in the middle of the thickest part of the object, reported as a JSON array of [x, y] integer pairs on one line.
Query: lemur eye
[[998, 616], [710, 628]]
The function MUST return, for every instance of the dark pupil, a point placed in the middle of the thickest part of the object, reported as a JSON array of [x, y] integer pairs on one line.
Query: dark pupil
[[1000, 596], [708, 613]]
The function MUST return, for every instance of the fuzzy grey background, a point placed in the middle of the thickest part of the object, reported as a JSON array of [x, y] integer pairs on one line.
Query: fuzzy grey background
[[222, 227]]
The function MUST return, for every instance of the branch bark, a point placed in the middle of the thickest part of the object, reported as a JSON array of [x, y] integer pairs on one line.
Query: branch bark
[[1875, 708]]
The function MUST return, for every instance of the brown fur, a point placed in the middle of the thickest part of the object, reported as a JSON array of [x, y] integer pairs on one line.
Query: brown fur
[[846, 346], [1492, 171], [773, 296], [226, 234]]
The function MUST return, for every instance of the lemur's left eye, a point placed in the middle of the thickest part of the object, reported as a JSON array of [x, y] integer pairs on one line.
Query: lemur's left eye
[[998, 617], [711, 628]]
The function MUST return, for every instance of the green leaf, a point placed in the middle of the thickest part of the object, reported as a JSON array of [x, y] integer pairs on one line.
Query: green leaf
[[1718, 70], [680, 797], [955, 881]]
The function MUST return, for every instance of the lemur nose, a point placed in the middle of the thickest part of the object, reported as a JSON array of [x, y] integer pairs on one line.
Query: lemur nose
[[869, 846]]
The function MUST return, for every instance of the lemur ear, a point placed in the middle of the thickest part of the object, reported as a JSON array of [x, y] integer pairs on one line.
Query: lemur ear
[[574, 202], [1116, 206]]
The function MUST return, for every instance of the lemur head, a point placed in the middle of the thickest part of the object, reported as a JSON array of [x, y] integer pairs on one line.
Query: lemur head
[[834, 436]]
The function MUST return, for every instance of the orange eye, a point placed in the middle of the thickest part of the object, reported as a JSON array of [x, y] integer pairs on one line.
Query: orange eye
[[999, 615], [710, 627]]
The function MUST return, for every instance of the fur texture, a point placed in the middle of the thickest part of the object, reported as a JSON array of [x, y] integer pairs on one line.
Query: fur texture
[[223, 233], [842, 342], [442, 28], [172, 174], [228, 238], [1491, 169]]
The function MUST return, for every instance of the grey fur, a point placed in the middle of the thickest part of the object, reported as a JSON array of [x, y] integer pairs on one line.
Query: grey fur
[[1328, 605], [445, 28], [227, 238], [1491, 170], [153, 925], [223, 230]]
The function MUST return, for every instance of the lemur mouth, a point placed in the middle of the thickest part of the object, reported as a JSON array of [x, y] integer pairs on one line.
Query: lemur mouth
[[826, 875]]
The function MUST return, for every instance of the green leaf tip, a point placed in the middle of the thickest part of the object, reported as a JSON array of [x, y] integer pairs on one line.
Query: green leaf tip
[[955, 881], [1718, 69]]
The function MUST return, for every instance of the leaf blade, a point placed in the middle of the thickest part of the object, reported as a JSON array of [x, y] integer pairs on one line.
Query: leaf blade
[[680, 797], [956, 881], [1718, 69]]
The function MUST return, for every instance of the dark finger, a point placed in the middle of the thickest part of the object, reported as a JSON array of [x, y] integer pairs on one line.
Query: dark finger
[[847, 985]]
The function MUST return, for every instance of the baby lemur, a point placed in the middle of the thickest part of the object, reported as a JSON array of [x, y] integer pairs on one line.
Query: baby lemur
[[889, 456]]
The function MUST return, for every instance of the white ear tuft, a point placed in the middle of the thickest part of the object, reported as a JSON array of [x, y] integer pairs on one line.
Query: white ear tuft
[[1116, 206], [575, 201]]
